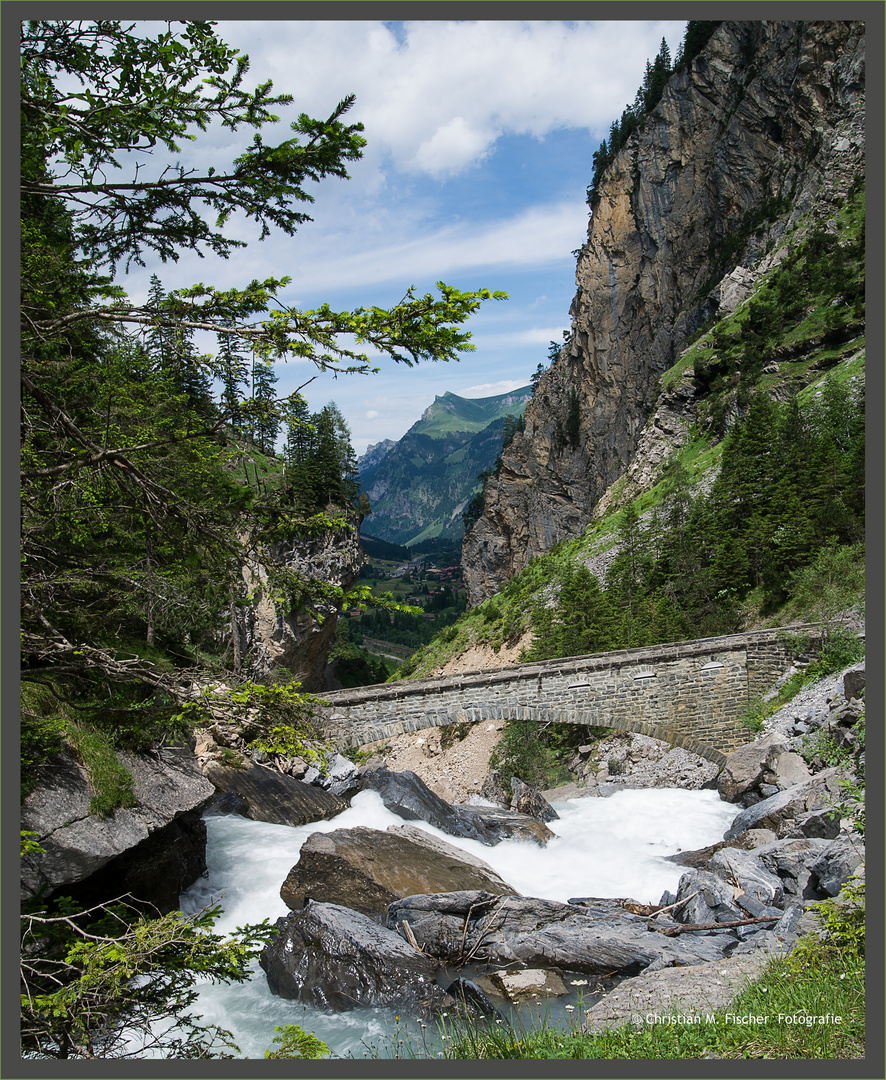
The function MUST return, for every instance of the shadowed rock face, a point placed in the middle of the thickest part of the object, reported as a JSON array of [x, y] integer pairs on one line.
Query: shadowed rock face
[[299, 642], [408, 795], [152, 850], [275, 797], [766, 124], [336, 959], [366, 869]]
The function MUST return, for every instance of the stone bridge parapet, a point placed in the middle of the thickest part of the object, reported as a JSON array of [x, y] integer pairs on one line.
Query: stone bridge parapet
[[687, 693]]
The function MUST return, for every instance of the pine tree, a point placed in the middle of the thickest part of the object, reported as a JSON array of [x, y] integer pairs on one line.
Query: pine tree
[[298, 452], [265, 423], [234, 373], [627, 581]]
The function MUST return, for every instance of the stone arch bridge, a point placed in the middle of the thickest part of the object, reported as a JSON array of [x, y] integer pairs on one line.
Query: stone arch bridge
[[689, 694]]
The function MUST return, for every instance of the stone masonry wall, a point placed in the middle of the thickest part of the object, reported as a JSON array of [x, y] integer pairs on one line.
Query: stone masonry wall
[[690, 694]]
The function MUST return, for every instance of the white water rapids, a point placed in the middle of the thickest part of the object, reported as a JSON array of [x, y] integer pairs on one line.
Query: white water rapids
[[606, 847]]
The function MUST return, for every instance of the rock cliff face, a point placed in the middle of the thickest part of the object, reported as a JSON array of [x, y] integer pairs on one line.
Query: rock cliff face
[[152, 850], [764, 128], [299, 643]]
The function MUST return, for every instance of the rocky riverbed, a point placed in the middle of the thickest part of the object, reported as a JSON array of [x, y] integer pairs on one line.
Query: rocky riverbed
[[737, 901], [377, 892]]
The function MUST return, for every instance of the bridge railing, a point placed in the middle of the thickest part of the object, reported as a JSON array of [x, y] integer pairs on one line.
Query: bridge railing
[[566, 665]]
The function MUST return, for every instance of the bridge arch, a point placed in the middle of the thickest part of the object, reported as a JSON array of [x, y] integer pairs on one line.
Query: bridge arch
[[545, 714], [689, 694]]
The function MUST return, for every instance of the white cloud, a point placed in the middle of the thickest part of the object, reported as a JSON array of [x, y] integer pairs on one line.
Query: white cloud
[[491, 389], [371, 414], [534, 335], [437, 100], [453, 146], [407, 252]]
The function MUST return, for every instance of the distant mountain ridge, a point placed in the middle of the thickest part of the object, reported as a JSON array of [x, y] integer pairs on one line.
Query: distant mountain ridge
[[419, 485]]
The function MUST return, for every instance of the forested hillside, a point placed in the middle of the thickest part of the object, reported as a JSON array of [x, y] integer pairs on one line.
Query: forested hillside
[[421, 485]]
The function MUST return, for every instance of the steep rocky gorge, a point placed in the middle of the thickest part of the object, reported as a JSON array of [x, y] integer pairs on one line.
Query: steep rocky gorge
[[762, 133], [298, 642]]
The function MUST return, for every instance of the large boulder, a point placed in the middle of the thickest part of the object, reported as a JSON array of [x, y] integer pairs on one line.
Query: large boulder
[[333, 958], [366, 869], [743, 770], [274, 797], [689, 991], [853, 682], [152, 850], [591, 937], [698, 857], [792, 861], [407, 795], [502, 824], [780, 810], [704, 897], [754, 887], [784, 769], [837, 862], [529, 800]]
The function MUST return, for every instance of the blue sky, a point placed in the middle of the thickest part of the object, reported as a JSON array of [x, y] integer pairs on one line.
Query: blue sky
[[480, 137]]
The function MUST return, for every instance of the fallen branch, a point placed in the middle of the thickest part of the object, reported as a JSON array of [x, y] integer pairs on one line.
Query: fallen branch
[[683, 928], [669, 907], [410, 937]]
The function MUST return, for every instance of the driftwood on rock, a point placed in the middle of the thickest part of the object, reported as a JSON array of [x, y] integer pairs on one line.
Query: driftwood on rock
[[685, 928]]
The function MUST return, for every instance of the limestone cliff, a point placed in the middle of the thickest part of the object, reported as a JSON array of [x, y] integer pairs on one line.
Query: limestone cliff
[[298, 642], [763, 132]]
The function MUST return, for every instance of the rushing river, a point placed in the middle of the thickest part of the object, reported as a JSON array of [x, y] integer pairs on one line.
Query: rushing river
[[603, 847]]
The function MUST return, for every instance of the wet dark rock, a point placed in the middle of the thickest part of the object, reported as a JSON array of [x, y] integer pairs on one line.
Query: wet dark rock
[[336, 959], [271, 796], [471, 999], [505, 824], [224, 803], [407, 795]]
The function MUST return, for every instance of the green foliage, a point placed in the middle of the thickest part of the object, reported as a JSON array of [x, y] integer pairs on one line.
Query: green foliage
[[296, 1043], [93, 980], [841, 922], [754, 715], [521, 752], [136, 520], [30, 846], [111, 782], [454, 733], [43, 724], [583, 620]]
